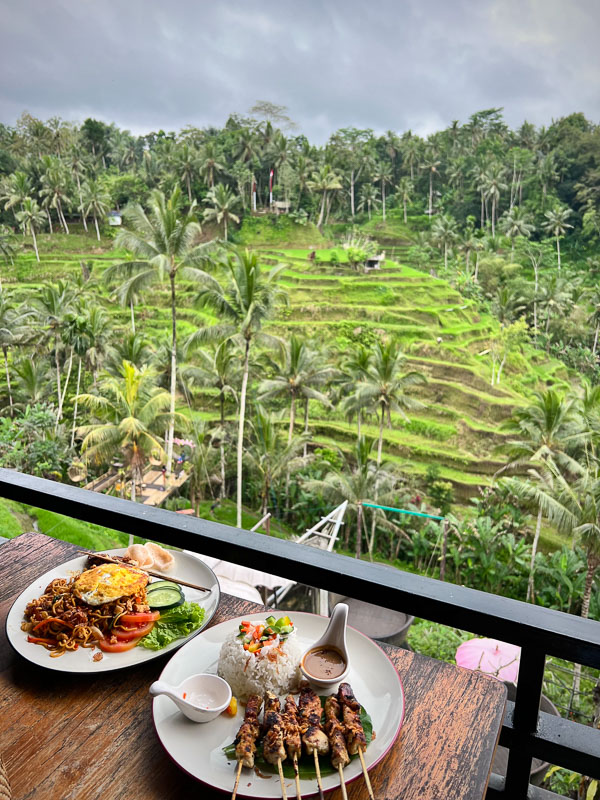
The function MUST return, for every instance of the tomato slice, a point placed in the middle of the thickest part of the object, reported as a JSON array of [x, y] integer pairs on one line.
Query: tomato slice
[[139, 618], [133, 633], [117, 647]]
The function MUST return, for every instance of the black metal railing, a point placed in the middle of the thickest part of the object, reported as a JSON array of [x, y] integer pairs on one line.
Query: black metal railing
[[526, 732]]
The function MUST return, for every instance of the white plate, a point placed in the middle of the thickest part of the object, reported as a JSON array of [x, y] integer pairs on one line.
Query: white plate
[[186, 567], [198, 748]]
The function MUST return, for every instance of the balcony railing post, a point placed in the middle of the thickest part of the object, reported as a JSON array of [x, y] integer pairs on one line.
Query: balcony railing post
[[525, 721]]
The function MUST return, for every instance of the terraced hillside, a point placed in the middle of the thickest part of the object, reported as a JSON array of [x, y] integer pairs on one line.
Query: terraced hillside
[[443, 335]]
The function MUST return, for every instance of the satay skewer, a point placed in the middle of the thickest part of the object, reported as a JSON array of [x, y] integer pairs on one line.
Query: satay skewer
[[354, 733], [245, 741], [337, 743], [291, 732], [273, 748], [314, 739]]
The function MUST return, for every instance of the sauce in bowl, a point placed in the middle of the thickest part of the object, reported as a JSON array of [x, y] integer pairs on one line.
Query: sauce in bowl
[[324, 663]]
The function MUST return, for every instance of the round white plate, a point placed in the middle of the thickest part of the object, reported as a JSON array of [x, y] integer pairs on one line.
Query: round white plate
[[198, 748], [186, 567]]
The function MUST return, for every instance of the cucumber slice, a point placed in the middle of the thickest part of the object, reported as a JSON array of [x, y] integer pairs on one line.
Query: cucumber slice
[[151, 587], [165, 598]]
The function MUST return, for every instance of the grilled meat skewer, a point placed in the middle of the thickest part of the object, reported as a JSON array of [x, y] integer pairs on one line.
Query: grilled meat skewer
[[291, 735], [273, 748], [310, 713], [245, 741], [355, 736], [335, 733]]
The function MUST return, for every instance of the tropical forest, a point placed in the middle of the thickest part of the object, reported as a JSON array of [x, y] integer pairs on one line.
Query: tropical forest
[[278, 327]]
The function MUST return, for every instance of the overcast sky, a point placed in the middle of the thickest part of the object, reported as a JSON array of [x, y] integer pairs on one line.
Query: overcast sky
[[381, 64]]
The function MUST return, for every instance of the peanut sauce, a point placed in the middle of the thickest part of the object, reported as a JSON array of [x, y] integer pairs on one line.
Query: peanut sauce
[[324, 663]]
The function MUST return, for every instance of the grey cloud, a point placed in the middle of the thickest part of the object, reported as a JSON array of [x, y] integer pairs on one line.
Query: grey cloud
[[380, 64]]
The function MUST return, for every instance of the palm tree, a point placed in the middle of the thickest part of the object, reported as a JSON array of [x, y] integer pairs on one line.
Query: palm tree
[[383, 175], [430, 165], [325, 181], [594, 317], [222, 202], [219, 369], [12, 331], [493, 185], [410, 152], [554, 296], [56, 188], [405, 189], [77, 166], [32, 381], [515, 223], [543, 431], [296, 378], [386, 389], [97, 202], [30, 217], [132, 347], [269, 457], [132, 413], [16, 189], [557, 226], [354, 369], [187, 164], [209, 163], [358, 481], [8, 246], [163, 242], [444, 233], [368, 198], [248, 300]]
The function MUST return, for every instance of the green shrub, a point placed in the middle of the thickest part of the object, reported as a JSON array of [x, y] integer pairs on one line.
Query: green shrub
[[436, 641]]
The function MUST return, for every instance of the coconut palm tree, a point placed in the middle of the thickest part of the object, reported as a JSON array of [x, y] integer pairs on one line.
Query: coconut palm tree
[[493, 186], [269, 457], [163, 242], [77, 167], [557, 226], [209, 163], [132, 347], [369, 198], [410, 147], [359, 480], [516, 222], [33, 382], [132, 415], [219, 369], [385, 388], [187, 165], [430, 166], [96, 202], [29, 218], [324, 181], [354, 368], [383, 176], [545, 430], [247, 300], [444, 233], [405, 189], [222, 202], [594, 317], [13, 330], [56, 187], [15, 189]]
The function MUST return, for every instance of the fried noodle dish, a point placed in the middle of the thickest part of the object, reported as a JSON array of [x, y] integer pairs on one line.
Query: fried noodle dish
[[105, 606]]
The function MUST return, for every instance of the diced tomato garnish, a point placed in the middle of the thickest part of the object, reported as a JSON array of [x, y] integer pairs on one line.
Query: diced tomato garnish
[[258, 631], [126, 635], [139, 618]]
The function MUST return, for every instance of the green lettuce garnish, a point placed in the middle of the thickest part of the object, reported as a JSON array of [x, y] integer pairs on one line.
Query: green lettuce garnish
[[174, 624]]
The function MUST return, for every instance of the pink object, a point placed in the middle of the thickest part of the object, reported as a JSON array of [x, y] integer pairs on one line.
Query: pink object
[[490, 656]]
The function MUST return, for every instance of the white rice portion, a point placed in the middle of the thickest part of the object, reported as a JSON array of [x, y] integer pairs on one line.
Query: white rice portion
[[250, 673]]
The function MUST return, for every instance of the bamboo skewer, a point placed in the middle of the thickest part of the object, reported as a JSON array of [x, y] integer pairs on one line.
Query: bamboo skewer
[[161, 575], [342, 782], [297, 777], [281, 779], [366, 774], [318, 771], [237, 780]]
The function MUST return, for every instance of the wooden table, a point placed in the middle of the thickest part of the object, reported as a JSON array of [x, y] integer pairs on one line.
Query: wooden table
[[78, 737]]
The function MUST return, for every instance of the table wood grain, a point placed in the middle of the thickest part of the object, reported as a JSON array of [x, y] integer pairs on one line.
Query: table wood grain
[[82, 737]]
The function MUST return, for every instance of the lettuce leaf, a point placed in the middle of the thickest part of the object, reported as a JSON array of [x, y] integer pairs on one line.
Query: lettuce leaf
[[174, 624]]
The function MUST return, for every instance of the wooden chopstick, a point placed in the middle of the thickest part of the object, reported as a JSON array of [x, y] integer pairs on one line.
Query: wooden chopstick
[[102, 557]]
